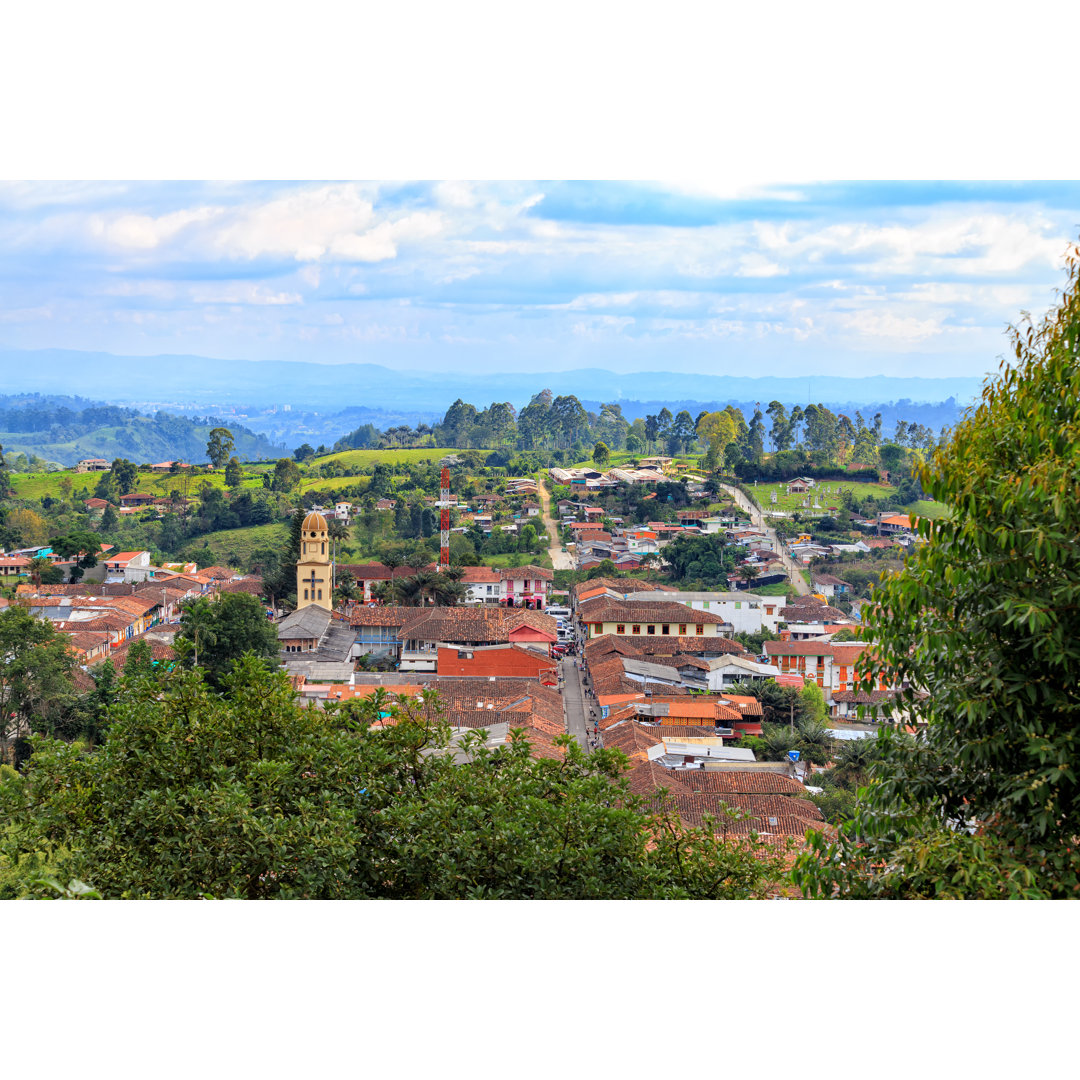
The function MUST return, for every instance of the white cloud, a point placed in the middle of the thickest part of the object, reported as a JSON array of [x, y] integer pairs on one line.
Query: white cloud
[[242, 293], [140, 232], [888, 324]]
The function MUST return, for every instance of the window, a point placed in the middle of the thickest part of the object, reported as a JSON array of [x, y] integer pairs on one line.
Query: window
[[320, 594], [620, 628], [651, 628], [305, 594], [699, 630], [665, 629], [324, 547], [682, 629], [738, 604], [636, 629]]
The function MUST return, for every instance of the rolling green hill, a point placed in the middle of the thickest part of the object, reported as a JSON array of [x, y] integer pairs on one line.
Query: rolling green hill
[[66, 429]]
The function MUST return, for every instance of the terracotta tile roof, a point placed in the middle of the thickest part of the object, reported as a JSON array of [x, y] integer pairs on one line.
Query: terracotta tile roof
[[380, 615], [542, 744], [737, 782], [792, 816], [527, 572], [125, 557], [105, 621], [480, 575], [744, 704], [606, 610], [499, 661], [653, 644], [647, 777], [480, 625], [634, 740], [86, 640], [252, 584], [803, 613]]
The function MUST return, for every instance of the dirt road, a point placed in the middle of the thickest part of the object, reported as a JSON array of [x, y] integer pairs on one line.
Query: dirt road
[[561, 559]]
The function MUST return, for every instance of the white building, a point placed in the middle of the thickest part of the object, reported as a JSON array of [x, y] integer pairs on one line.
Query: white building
[[746, 612]]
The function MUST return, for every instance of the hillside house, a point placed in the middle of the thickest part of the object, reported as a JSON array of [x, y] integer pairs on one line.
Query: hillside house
[[94, 464]]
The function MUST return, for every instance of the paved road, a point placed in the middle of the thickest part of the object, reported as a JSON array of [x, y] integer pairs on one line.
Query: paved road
[[560, 558], [574, 703], [795, 576]]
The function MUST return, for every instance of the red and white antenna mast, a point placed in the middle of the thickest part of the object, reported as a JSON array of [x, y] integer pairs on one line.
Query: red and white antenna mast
[[444, 520]]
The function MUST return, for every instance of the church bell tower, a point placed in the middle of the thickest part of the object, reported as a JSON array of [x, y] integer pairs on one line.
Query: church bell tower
[[313, 580]]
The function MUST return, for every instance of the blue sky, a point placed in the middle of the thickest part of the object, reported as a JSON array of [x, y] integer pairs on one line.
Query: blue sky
[[826, 278]]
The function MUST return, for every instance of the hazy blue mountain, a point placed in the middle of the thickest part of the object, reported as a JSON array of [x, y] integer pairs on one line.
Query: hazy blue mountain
[[197, 381]]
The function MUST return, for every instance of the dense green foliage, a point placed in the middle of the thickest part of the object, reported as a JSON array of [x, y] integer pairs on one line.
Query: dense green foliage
[[221, 630], [248, 794], [984, 622]]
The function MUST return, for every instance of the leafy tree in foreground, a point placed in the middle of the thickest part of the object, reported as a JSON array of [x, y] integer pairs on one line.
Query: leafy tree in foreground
[[222, 630], [985, 621], [35, 675], [248, 794]]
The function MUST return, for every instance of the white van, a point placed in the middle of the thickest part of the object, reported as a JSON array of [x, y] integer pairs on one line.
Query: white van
[[557, 612]]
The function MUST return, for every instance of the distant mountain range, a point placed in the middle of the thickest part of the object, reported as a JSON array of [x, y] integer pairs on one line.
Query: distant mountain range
[[175, 383]]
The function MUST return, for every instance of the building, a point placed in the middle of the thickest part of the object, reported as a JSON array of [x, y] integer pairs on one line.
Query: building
[[133, 565], [829, 585], [314, 574], [635, 618], [426, 629], [746, 612], [831, 665], [484, 584], [93, 464], [526, 586], [496, 661]]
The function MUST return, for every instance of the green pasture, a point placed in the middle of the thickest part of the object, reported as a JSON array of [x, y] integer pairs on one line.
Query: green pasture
[[927, 508], [214, 548], [359, 459], [35, 486], [788, 503]]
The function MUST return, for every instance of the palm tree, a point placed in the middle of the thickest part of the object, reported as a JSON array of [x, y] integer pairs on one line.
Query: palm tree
[[196, 623], [448, 592], [425, 581], [747, 572], [337, 530]]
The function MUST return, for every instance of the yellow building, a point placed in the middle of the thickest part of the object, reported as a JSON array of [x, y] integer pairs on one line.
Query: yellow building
[[314, 584]]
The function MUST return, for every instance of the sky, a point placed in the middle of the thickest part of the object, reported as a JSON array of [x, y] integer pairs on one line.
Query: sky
[[877, 278]]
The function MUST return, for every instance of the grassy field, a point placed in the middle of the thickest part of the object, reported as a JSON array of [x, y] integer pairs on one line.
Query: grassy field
[[34, 486], [928, 508], [829, 498], [214, 548], [518, 559], [777, 588], [358, 459]]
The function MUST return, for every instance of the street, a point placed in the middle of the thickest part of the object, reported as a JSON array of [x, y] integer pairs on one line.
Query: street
[[574, 702]]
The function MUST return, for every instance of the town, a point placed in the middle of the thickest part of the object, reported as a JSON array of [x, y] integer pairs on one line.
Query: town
[[706, 624]]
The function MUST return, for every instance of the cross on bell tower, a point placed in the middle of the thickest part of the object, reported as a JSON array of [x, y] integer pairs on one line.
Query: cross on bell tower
[[313, 584]]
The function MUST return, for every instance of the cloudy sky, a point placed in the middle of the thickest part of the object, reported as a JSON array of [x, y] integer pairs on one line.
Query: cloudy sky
[[862, 279]]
